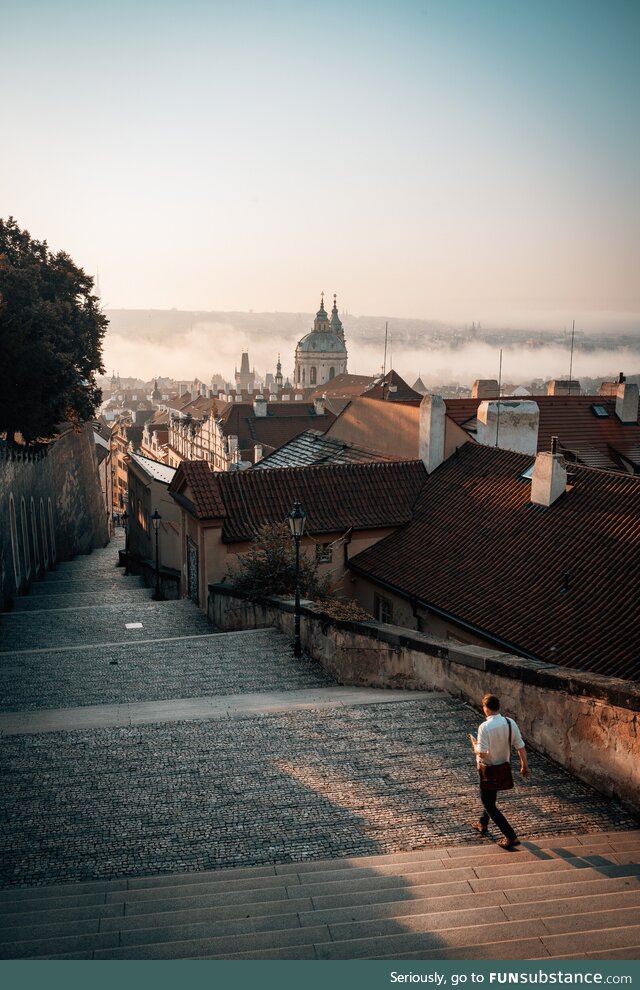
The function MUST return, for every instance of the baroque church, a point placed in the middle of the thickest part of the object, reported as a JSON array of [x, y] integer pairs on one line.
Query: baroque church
[[322, 353]]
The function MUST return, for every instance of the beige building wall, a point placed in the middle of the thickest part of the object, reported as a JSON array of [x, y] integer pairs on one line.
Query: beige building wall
[[389, 428]]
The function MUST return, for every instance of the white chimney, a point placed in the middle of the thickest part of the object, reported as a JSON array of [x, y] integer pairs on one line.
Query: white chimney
[[257, 452], [298, 396], [431, 431], [549, 480], [318, 405], [232, 444], [509, 425], [285, 396], [259, 406], [627, 403]]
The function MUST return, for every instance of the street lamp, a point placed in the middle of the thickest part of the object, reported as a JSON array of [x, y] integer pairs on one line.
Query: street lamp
[[297, 520], [155, 519], [125, 523]]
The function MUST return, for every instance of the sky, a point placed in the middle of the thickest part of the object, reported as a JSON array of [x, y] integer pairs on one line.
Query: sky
[[435, 159]]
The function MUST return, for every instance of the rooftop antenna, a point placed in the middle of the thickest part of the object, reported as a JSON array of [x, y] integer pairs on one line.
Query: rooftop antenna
[[384, 364], [499, 394], [573, 330]]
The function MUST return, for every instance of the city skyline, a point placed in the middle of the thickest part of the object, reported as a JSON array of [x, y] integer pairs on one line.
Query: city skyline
[[425, 159]]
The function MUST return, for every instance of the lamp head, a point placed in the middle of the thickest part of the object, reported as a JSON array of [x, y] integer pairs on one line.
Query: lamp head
[[297, 519]]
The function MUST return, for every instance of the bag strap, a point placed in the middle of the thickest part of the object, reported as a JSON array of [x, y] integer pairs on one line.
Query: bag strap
[[510, 727]]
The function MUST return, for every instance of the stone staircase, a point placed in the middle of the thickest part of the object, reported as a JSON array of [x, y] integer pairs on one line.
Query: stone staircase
[[565, 897]]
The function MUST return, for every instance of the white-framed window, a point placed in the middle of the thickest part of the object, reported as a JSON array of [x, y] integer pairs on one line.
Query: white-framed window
[[25, 538], [15, 548], [383, 608], [324, 553]]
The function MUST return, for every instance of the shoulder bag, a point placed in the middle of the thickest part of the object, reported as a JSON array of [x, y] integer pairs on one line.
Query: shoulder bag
[[499, 776]]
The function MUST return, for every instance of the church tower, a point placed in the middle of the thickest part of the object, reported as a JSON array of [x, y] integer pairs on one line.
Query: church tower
[[322, 353]]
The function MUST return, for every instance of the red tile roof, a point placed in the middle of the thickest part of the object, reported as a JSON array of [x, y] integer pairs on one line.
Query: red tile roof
[[479, 552], [595, 441], [283, 422], [392, 388], [335, 497]]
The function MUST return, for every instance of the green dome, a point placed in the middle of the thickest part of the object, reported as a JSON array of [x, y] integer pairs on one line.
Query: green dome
[[317, 342]]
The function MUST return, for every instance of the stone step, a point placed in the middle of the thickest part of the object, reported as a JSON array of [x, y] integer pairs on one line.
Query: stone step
[[120, 673], [81, 586], [85, 599], [239, 924], [104, 624]]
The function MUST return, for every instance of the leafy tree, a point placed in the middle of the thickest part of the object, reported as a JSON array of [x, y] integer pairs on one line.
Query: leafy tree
[[51, 331], [269, 567]]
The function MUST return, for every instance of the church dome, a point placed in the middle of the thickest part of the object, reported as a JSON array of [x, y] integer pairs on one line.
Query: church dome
[[321, 342]]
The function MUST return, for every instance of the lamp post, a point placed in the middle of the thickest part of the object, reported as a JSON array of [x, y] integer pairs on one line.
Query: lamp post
[[125, 523], [155, 519], [297, 520]]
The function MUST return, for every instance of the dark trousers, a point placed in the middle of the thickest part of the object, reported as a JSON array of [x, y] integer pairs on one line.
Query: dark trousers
[[488, 799]]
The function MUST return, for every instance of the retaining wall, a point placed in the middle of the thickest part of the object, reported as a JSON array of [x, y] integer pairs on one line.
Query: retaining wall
[[588, 724]]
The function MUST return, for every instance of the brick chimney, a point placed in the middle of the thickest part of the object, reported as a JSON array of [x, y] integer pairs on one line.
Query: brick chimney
[[259, 406], [627, 402], [257, 452], [549, 479], [510, 425], [431, 431]]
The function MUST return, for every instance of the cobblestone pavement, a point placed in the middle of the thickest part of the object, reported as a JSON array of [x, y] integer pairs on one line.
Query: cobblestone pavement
[[155, 671], [278, 788], [209, 793]]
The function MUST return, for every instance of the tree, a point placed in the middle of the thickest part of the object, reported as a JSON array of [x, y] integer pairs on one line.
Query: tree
[[51, 331], [269, 567]]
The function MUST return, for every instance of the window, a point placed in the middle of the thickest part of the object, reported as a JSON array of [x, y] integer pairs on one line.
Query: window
[[528, 474], [383, 609], [332, 373], [600, 411], [324, 553], [313, 376]]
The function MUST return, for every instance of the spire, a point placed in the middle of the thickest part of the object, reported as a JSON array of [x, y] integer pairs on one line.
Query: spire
[[336, 323]]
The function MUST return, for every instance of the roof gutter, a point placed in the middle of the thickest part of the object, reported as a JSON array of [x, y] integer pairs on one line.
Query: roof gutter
[[414, 601]]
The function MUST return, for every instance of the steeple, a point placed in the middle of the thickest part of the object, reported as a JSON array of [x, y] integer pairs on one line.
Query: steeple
[[336, 323], [278, 378], [321, 322]]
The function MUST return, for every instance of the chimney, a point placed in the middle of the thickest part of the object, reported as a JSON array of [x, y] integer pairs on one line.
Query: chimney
[[431, 431], [509, 425], [318, 406], [484, 388], [257, 452], [627, 402], [549, 479], [259, 406], [563, 386], [298, 396]]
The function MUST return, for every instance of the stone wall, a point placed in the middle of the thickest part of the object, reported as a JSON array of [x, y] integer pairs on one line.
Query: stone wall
[[588, 724], [54, 496]]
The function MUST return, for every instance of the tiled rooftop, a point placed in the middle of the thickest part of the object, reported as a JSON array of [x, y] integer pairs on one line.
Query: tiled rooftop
[[595, 440], [557, 584], [312, 447], [334, 496]]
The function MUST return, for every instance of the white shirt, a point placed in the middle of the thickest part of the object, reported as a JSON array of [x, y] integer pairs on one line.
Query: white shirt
[[493, 738]]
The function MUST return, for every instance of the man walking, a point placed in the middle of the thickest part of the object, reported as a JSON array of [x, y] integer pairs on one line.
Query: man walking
[[496, 737]]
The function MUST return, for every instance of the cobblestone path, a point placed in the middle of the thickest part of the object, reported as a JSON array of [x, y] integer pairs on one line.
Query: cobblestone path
[[210, 793]]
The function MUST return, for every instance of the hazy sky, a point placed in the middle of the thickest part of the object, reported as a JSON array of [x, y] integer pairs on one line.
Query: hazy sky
[[437, 159]]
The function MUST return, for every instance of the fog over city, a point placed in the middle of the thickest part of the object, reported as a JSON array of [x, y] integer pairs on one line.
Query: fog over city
[[181, 346]]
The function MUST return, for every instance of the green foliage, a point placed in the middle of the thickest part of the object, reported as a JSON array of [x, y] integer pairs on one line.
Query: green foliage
[[270, 565], [51, 331]]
